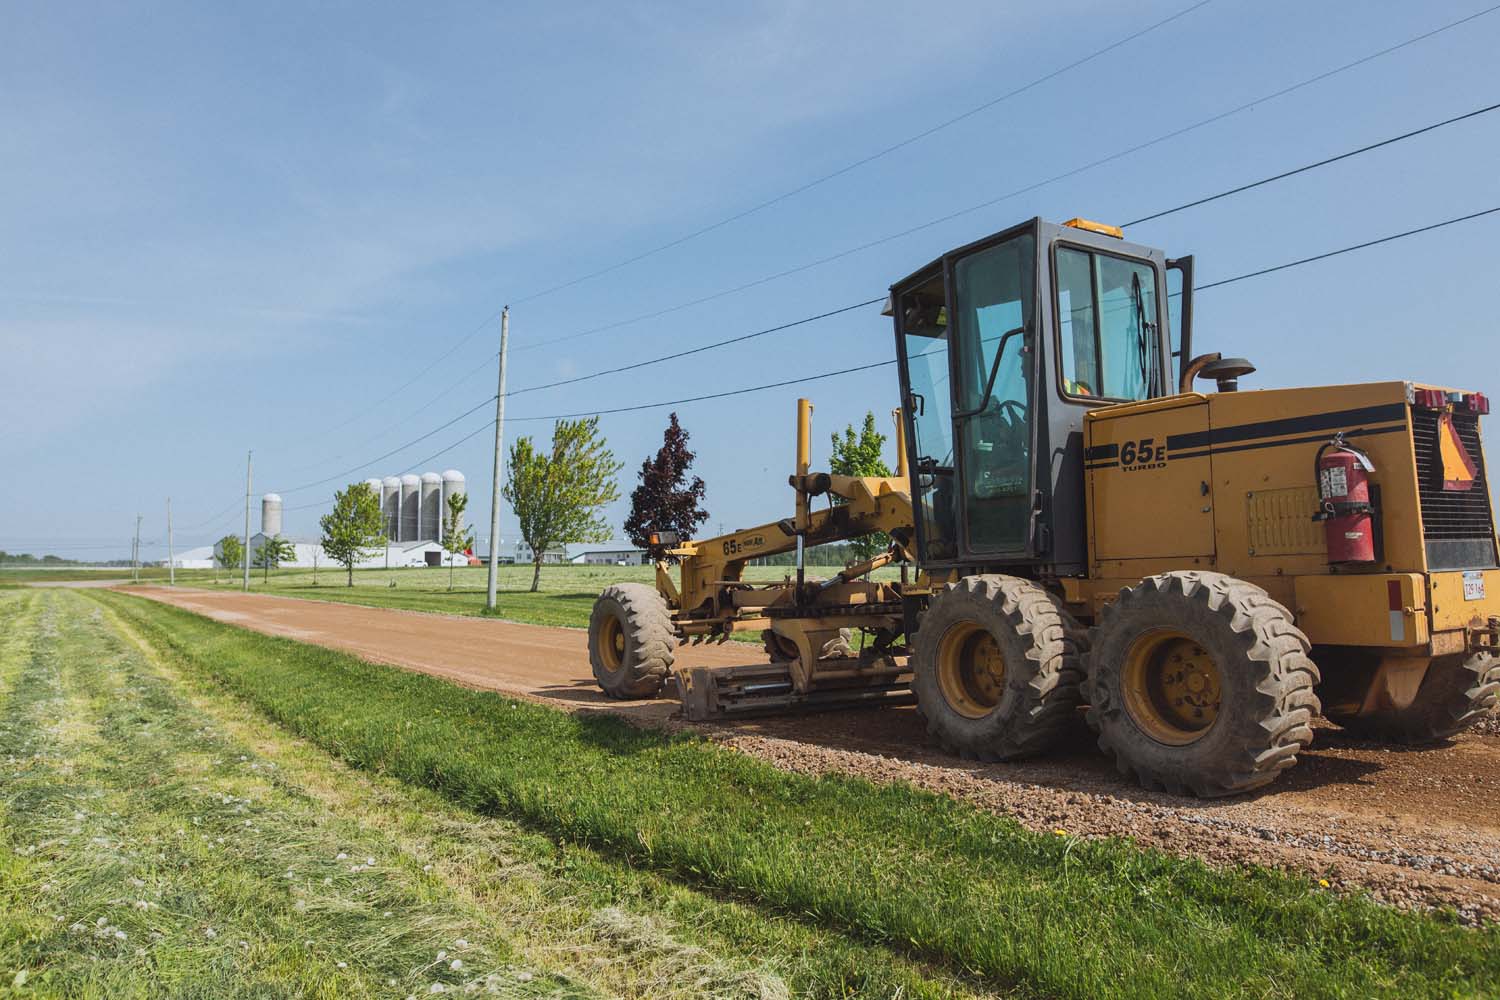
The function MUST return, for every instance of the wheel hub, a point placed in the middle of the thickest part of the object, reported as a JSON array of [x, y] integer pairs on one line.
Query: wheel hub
[[971, 670], [612, 644], [1172, 687]]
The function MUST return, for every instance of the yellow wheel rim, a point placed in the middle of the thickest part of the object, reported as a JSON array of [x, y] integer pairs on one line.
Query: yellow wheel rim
[[970, 670], [612, 644], [1172, 687]]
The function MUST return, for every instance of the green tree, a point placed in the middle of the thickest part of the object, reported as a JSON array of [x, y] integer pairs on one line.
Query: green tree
[[457, 538], [273, 552], [231, 551], [353, 529], [558, 497], [859, 455]]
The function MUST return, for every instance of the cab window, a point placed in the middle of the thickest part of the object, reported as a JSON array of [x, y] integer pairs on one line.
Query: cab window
[[1107, 326]]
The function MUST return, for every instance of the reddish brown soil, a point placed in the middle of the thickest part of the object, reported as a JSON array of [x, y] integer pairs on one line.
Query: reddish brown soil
[[1416, 827]]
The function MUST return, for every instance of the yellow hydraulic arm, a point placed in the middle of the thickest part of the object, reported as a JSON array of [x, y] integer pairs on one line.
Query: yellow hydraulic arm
[[711, 568]]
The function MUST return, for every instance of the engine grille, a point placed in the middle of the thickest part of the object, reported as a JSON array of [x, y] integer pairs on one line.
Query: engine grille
[[1456, 524]]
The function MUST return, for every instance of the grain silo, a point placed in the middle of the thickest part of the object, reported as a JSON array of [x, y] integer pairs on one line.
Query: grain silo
[[374, 485], [411, 499], [432, 513], [390, 507], [453, 482], [270, 515]]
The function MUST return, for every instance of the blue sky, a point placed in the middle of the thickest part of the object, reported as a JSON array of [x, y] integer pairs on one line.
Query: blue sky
[[226, 227]]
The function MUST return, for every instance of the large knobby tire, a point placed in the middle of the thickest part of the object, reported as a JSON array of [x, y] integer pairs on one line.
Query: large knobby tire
[[996, 668], [1456, 692], [631, 641], [1199, 682]]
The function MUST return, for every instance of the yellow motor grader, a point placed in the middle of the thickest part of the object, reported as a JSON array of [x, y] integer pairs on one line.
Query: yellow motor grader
[[1075, 525]]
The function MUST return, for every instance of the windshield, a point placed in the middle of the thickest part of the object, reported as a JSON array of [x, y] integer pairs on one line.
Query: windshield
[[994, 300], [1107, 325]]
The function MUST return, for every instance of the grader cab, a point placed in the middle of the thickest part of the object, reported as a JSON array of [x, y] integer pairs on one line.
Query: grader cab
[[1076, 526]]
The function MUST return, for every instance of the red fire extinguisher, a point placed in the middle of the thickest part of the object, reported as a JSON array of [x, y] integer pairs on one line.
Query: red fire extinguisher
[[1344, 502]]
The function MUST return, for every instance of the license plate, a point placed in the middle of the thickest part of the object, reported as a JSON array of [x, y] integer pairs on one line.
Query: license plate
[[1473, 586]]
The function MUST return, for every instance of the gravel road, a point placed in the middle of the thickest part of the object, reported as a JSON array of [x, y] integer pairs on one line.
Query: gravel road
[[1414, 827]]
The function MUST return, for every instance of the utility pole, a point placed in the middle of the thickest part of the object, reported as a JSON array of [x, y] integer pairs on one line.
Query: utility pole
[[135, 552], [499, 450], [245, 580], [171, 559]]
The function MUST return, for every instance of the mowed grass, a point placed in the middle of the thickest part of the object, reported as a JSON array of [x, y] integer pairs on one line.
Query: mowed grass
[[945, 883], [158, 840]]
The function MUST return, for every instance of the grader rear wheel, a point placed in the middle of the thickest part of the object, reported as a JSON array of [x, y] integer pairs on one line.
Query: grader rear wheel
[[631, 641], [1200, 682], [997, 668], [1456, 692]]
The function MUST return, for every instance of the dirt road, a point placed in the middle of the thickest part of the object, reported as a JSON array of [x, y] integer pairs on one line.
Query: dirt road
[[1416, 827]]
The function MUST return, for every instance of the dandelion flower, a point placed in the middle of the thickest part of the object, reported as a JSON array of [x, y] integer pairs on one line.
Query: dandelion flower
[[1323, 882], [442, 955], [341, 856], [387, 913], [101, 922], [343, 965], [456, 964], [1061, 833], [119, 935], [524, 977], [210, 933], [461, 943], [369, 862]]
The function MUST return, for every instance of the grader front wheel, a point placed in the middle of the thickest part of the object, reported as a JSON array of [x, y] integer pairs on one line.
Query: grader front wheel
[[631, 641], [996, 668], [1200, 682]]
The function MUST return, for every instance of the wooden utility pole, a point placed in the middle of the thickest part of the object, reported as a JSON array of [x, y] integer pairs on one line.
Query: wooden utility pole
[[245, 556], [489, 601], [135, 552], [171, 557]]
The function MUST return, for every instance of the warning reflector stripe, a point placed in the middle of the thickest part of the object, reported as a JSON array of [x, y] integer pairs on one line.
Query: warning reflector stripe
[[1398, 620]]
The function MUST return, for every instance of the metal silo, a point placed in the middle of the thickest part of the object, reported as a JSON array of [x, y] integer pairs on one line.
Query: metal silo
[[374, 485], [390, 507], [270, 515], [453, 482], [411, 498], [432, 513]]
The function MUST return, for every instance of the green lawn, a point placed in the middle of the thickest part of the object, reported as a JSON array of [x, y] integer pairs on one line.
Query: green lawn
[[945, 884], [158, 840]]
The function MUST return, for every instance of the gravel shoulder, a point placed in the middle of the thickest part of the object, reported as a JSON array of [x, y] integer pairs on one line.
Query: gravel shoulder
[[1415, 827]]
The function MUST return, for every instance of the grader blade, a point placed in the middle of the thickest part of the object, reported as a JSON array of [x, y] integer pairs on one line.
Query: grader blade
[[767, 689]]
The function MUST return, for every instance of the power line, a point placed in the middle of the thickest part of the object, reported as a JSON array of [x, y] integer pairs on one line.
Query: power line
[[1348, 249], [488, 424], [989, 203], [393, 451], [1313, 166], [878, 364], [871, 158], [699, 350]]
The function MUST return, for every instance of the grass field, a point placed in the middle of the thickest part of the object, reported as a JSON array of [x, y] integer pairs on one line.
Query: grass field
[[158, 840], [913, 890], [566, 596]]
